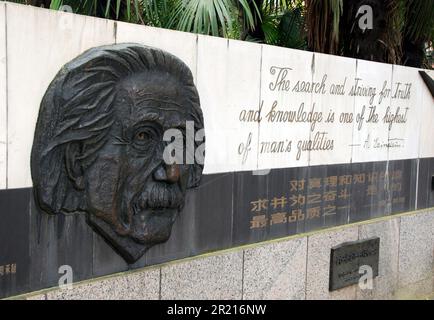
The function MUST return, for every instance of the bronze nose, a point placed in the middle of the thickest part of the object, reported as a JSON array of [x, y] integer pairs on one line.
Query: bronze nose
[[172, 173], [169, 173]]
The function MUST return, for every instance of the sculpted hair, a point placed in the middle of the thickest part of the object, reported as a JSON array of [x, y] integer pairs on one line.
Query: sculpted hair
[[77, 112]]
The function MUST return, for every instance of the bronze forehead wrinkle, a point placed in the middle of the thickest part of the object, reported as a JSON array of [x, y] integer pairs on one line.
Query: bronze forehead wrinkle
[[167, 96], [155, 114], [162, 102]]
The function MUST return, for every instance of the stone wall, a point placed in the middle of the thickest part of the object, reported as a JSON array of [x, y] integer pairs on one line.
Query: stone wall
[[231, 77], [293, 268], [235, 80]]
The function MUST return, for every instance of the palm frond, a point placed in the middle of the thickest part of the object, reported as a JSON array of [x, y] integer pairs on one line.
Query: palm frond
[[420, 19], [209, 16], [291, 29]]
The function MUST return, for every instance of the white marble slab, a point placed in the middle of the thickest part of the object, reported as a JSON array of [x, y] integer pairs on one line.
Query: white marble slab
[[3, 99], [180, 44], [337, 107], [40, 42], [235, 81], [405, 114], [370, 141], [426, 144], [228, 78], [280, 135]]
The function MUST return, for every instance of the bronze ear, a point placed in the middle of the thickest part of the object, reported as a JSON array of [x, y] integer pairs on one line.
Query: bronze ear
[[73, 165]]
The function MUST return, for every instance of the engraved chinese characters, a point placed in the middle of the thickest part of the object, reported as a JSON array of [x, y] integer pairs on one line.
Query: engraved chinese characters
[[99, 146], [330, 196]]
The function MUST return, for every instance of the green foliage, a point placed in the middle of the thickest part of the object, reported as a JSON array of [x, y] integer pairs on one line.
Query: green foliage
[[291, 29], [112, 9], [420, 19], [281, 23], [158, 13], [320, 25], [211, 17]]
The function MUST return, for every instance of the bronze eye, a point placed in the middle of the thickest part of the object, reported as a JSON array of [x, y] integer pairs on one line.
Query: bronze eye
[[142, 136], [145, 137]]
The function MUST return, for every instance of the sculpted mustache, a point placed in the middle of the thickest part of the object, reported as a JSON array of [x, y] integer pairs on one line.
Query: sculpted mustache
[[160, 196]]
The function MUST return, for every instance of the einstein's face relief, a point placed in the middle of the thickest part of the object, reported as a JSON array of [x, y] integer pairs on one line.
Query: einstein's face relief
[[129, 186], [99, 144]]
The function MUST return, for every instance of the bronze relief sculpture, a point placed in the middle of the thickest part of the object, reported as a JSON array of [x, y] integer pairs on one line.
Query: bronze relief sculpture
[[98, 145]]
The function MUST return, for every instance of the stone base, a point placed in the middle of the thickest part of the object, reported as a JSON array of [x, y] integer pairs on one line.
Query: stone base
[[291, 268]]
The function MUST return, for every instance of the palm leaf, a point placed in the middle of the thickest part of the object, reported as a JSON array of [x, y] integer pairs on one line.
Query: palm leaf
[[420, 19], [291, 29], [214, 17]]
